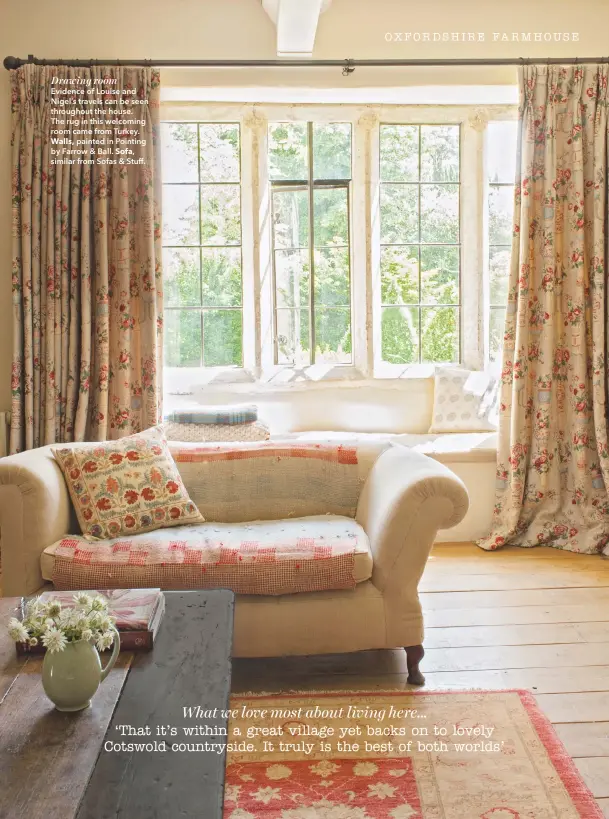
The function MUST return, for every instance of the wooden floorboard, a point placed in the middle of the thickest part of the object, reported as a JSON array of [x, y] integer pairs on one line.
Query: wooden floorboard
[[473, 600], [515, 615], [536, 619], [595, 773], [585, 739], [542, 634]]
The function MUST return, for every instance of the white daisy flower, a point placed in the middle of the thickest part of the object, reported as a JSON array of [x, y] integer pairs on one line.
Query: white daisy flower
[[83, 599], [99, 604], [33, 641], [17, 631], [54, 609], [54, 640], [87, 635], [105, 640], [33, 607]]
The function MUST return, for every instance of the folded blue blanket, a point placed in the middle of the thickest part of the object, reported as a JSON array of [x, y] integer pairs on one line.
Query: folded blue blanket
[[231, 414]]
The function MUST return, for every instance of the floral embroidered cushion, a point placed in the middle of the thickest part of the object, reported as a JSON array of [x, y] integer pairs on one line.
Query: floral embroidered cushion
[[126, 486]]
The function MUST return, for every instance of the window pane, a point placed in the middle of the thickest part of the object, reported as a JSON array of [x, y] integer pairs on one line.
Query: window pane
[[499, 274], [219, 152], [181, 214], [440, 213], [502, 140], [201, 244], [399, 150], [440, 334], [288, 151], [291, 218], [220, 215], [293, 337], [399, 214], [439, 275], [496, 327], [222, 277], [179, 152], [333, 334], [222, 335], [439, 153], [182, 335], [324, 288], [400, 335], [400, 274], [182, 277], [331, 216], [292, 278], [332, 277], [501, 209], [332, 151]]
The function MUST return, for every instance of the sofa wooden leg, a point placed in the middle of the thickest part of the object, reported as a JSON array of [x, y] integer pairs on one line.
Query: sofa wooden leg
[[414, 655]]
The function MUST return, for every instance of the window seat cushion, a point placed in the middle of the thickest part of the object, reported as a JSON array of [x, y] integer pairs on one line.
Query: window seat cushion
[[259, 557], [449, 447]]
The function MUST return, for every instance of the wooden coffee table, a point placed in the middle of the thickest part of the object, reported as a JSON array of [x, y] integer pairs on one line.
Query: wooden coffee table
[[60, 766]]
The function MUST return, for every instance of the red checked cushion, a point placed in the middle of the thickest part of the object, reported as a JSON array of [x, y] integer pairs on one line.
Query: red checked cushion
[[126, 487]]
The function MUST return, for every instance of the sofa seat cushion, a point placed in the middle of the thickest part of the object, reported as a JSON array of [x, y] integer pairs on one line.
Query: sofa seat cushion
[[259, 557]]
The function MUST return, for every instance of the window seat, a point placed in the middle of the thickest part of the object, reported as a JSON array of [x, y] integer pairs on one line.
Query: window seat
[[448, 447]]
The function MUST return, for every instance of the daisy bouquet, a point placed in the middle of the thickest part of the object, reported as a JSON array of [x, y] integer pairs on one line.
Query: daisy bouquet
[[54, 626]]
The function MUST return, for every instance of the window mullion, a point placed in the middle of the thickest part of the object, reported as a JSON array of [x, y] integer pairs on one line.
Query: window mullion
[[258, 330], [473, 319], [312, 342]]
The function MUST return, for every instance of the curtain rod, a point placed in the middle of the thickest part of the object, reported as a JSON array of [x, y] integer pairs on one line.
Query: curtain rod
[[348, 65]]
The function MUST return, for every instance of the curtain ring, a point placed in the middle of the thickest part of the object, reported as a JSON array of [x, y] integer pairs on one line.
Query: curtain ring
[[348, 68]]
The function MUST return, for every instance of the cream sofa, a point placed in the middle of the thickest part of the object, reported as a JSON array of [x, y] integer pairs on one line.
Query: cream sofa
[[397, 503]]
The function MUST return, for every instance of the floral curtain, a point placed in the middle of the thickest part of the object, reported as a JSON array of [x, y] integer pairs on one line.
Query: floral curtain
[[553, 459], [87, 290]]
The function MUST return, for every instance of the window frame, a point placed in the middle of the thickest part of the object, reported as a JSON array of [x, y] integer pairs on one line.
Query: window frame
[[259, 365]]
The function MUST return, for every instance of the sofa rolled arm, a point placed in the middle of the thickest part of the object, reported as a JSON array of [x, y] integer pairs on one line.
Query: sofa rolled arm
[[406, 499], [35, 511]]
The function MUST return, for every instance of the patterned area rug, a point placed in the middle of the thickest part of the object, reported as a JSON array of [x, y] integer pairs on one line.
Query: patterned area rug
[[399, 755]]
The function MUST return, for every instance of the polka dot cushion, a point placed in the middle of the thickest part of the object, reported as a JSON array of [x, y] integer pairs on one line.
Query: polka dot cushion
[[464, 401]]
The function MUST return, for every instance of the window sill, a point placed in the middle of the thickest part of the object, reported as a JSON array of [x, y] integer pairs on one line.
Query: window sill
[[191, 381]]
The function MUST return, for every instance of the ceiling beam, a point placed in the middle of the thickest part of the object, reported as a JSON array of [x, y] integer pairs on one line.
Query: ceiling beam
[[296, 22]]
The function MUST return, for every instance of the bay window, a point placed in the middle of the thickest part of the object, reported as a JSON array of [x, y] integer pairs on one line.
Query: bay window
[[329, 242]]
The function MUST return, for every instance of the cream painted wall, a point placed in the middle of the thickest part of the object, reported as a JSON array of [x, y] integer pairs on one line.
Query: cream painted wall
[[217, 29]]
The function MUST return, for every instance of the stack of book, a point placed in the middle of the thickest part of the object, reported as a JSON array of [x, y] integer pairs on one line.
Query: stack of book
[[138, 614]]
